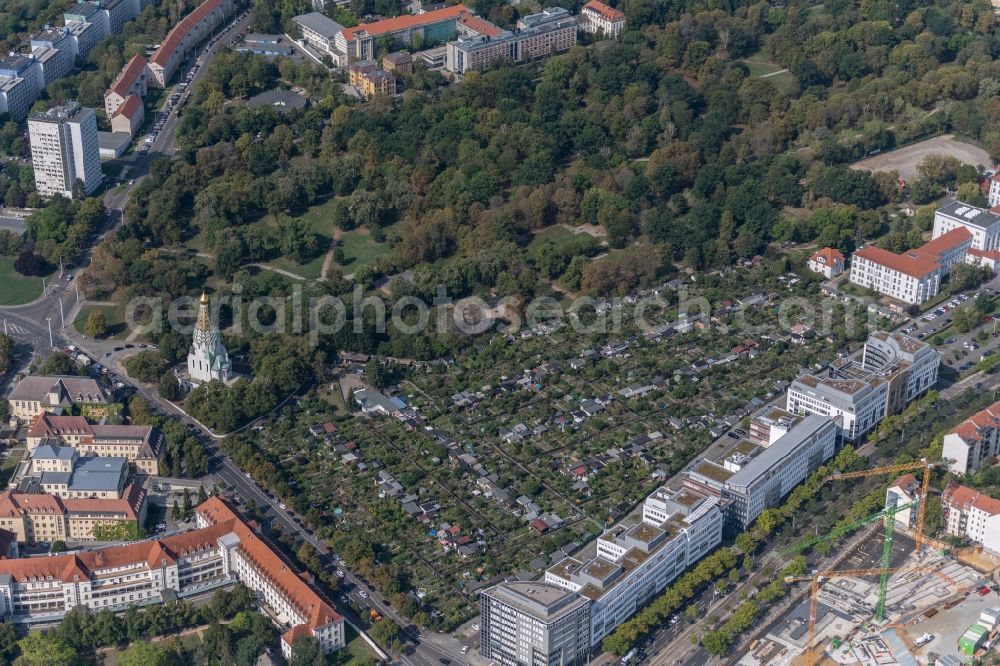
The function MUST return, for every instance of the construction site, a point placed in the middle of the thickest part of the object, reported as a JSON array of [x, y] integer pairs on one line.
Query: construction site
[[893, 596]]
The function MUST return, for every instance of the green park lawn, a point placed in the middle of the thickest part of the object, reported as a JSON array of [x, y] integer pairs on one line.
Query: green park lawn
[[557, 235], [17, 289], [360, 249], [114, 316]]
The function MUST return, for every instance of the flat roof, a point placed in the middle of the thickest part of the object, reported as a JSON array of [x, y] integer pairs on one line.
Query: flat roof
[[319, 23], [770, 457]]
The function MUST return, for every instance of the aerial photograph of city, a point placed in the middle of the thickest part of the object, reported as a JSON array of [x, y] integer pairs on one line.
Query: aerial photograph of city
[[499, 332]]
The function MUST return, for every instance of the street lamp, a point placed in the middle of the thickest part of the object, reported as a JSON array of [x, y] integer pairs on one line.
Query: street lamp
[[49, 320]]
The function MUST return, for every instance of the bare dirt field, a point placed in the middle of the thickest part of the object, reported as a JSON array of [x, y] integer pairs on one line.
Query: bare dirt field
[[905, 160]]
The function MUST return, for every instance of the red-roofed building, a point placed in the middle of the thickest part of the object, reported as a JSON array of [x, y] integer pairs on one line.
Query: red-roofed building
[[221, 551], [190, 31], [984, 258], [129, 116], [139, 444], [263, 570], [470, 25], [827, 261], [975, 442], [972, 515], [440, 25], [37, 517], [132, 80], [915, 275], [599, 18]]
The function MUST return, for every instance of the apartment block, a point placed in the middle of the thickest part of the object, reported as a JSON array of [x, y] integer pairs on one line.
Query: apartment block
[[975, 442], [21, 82], [55, 51], [537, 35], [534, 623], [599, 18], [140, 445], [894, 370], [65, 150], [983, 224], [128, 118], [993, 194], [40, 517], [132, 80], [635, 561], [119, 12], [88, 12], [85, 36], [57, 394], [915, 275], [970, 514], [188, 33]]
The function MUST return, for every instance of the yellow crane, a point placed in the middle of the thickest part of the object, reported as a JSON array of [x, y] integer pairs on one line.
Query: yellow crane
[[819, 577], [885, 570]]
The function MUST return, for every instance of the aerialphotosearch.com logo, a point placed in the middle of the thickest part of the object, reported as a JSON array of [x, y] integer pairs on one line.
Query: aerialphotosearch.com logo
[[316, 316]]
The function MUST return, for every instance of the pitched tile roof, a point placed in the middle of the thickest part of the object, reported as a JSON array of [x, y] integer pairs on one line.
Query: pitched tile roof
[[971, 429], [827, 255], [965, 497], [479, 25], [180, 31], [129, 107], [127, 77], [281, 574], [609, 13], [405, 22], [918, 262]]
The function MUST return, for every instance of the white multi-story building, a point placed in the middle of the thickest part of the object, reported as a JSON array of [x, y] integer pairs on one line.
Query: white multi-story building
[[972, 515], [993, 195], [320, 32], [974, 442], [894, 370], [904, 491], [552, 30], [64, 150], [827, 261], [20, 84], [534, 623], [262, 569], [599, 18], [55, 51], [634, 562], [983, 224], [915, 275], [750, 478]]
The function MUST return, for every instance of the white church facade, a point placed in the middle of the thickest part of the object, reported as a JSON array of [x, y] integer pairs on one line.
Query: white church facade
[[208, 359]]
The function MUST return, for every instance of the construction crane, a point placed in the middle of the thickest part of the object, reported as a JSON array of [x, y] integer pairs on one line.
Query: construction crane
[[924, 464], [812, 541], [819, 577]]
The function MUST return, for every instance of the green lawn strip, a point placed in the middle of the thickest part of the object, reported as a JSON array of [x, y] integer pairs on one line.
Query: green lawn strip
[[114, 316], [17, 288]]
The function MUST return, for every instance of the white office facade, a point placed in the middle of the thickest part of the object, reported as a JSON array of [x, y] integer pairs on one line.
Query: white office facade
[[64, 149], [534, 624], [983, 224]]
